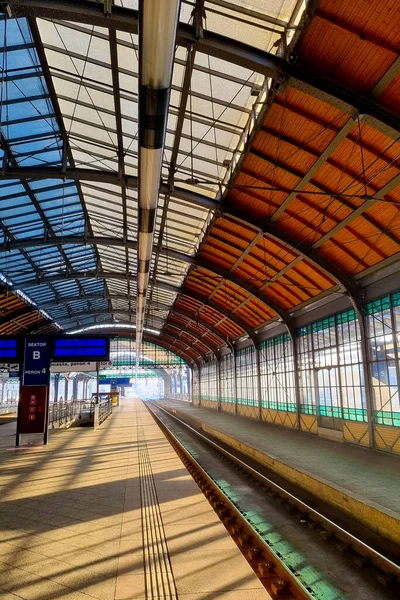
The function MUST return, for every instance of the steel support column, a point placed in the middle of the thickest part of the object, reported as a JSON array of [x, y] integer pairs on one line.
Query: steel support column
[[218, 375], [199, 386], [365, 352], [258, 374], [235, 380], [296, 375]]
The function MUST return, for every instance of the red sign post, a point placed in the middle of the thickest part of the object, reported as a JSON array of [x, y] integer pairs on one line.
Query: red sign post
[[32, 409]]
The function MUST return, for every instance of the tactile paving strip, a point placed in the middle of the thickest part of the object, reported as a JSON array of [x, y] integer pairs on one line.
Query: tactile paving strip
[[158, 572]]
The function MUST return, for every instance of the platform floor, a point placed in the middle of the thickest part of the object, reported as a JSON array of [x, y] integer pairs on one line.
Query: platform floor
[[362, 473], [112, 514]]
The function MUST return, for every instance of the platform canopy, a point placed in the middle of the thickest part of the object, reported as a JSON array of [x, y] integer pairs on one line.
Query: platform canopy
[[280, 182]]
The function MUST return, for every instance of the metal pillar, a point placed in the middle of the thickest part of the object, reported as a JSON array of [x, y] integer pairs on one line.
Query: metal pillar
[[218, 375], [235, 381], [365, 350], [296, 378], [66, 385], [189, 385], [199, 372], [56, 382], [75, 387], [258, 375]]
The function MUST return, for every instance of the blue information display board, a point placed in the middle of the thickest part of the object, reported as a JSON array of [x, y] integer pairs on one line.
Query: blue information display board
[[86, 349], [37, 361], [8, 350]]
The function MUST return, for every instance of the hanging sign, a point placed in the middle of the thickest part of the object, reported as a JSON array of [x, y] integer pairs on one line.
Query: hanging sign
[[11, 368], [73, 367], [36, 364]]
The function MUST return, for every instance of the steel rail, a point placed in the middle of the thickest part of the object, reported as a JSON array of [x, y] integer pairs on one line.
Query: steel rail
[[274, 574], [378, 559]]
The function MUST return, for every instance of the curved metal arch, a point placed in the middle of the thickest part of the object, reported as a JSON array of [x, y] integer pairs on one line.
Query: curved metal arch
[[202, 322], [119, 242], [169, 325], [205, 302], [155, 340], [304, 250], [152, 339], [242, 283], [212, 44], [187, 348], [89, 297], [94, 274], [100, 312], [80, 298]]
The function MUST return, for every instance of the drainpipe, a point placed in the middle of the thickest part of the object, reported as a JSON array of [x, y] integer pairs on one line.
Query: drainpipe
[[158, 20]]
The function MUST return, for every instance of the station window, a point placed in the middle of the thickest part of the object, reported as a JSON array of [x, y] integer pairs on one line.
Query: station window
[[209, 382], [246, 374], [227, 379], [383, 334], [277, 374], [330, 370]]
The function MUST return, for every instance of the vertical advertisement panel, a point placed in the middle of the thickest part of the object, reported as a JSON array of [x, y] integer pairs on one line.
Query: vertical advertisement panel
[[32, 409], [37, 361]]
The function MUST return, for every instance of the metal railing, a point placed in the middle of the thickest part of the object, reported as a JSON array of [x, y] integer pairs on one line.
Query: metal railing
[[61, 413], [101, 412]]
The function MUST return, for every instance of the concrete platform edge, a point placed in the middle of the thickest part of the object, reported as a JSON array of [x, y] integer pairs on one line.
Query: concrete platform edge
[[383, 522]]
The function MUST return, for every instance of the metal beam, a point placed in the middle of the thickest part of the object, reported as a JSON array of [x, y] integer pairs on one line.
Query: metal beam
[[22, 312], [98, 176], [220, 309], [97, 274], [83, 314], [159, 342], [233, 51], [306, 251], [198, 261], [197, 319], [386, 78], [339, 137], [186, 347], [90, 297], [170, 327]]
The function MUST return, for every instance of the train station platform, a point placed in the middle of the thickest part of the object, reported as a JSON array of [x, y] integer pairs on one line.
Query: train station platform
[[362, 483], [111, 514]]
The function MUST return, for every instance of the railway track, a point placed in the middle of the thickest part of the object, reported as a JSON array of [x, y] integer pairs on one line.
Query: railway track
[[296, 551]]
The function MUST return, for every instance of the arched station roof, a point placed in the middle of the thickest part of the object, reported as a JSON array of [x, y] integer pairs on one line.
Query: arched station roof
[[281, 174]]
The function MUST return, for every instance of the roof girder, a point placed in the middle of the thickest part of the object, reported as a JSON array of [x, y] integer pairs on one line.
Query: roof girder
[[213, 44], [197, 261]]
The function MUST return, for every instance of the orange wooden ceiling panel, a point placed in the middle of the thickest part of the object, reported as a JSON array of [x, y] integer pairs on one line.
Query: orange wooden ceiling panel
[[309, 223], [283, 153], [230, 227], [245, 193], [220, 249], [311, 272], [356, 159], [210, 315], [343, 56], [287, 294], [269, 173], [387, 215], [373, 20], [217, 259], [254, 275], [306, 281], [390, 96], [304, 112]]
